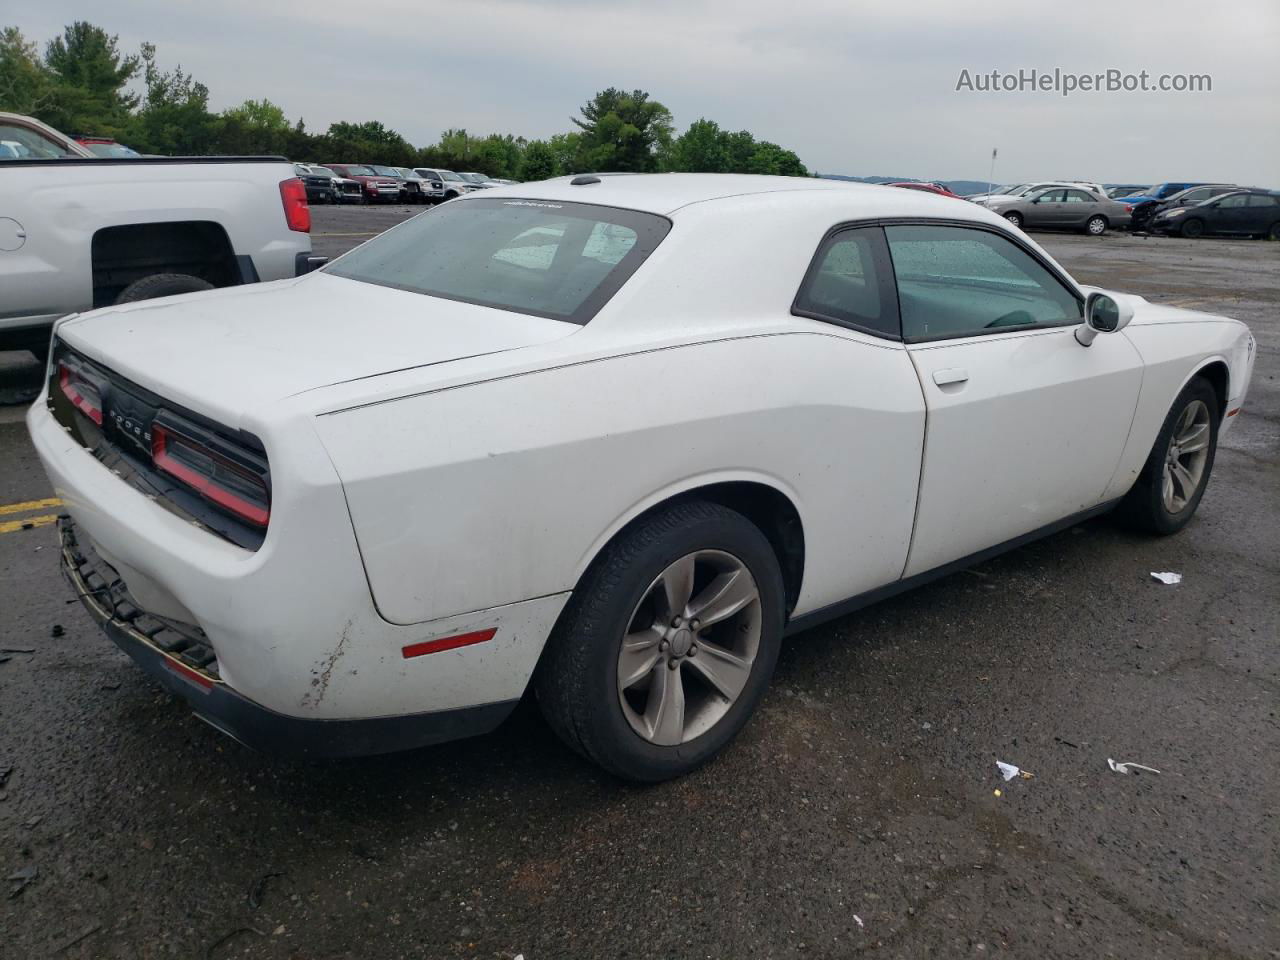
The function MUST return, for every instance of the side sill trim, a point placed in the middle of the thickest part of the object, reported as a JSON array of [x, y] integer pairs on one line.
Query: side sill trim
[[858, 602]]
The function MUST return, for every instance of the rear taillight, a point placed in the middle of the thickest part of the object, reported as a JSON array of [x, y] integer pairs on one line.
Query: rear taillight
[[82, 394], [1128, 208], [232, 487], [293, 194]]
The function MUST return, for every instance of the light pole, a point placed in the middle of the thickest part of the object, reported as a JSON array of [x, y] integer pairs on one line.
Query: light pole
[[991, 183]]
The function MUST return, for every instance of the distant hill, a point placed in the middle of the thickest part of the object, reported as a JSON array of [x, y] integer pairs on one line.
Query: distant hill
[[961, 187]]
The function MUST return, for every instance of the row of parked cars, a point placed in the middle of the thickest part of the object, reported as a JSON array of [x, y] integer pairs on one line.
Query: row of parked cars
[[377, 183], [1178, 208]]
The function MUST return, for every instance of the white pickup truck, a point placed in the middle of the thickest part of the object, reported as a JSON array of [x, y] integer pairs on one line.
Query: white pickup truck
[[79, 231]]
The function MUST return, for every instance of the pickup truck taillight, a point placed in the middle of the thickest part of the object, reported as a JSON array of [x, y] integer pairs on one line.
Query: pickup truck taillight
[[297, 214], [231, 486]]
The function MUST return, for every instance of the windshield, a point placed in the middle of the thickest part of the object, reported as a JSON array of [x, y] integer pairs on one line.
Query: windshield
[[450, 175], [359, 171], [19, 143], [557, 260], [475, 177], [384, 171], [407, 173], [322, 172], [110, 150]]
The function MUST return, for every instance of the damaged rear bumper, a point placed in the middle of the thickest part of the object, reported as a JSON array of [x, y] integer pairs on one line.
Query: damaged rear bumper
[[180, 659]]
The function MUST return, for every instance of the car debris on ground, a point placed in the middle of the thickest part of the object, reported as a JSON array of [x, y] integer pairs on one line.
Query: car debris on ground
[[1127, 767], [1167, 578]]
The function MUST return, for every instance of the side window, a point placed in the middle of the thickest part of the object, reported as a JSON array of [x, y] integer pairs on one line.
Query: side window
[[1079, 196], [1261, 200], [849, 282], [1195, 196], [960, 281], [1050, 196], [1236, 200]]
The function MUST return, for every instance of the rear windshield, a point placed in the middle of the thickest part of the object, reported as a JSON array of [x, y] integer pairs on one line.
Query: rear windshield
[[558, 260]]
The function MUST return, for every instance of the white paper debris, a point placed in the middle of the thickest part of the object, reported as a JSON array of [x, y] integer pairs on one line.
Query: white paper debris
[[858, 920], [1007, 770], [1126, 767], [1167, 578]]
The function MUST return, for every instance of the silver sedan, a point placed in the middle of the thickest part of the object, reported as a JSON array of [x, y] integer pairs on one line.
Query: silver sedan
[[1063, 208]]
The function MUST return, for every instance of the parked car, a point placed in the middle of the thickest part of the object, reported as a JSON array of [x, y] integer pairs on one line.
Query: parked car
[[79, 231], [348, 550], [421, 190], [1027, 189], [320, 189], [1063, 208], [409, 192], [1122, 190], [343, 189], [1250, 213], [376, 187], [481, 180], [106, 147], [452, 184], [435, 185], [1160, 191], [1144, 212], [937, 188]]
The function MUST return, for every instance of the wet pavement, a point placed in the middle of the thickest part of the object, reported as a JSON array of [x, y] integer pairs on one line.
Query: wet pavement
[[856, 814]]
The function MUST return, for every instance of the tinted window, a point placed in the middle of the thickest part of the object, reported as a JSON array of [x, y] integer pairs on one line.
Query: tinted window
[[849, 282], [1235, 200], [956, 281], [557, 260], [1261, 200]]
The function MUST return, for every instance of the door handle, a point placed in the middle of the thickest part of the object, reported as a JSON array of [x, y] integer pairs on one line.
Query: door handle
[[949, 376]]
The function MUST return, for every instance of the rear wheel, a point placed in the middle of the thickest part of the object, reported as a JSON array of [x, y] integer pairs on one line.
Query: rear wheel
[[668, 643], [1174, 478], [1274, 232], [1192, 227], [1015, 219], [162, 285], [1096, 226]]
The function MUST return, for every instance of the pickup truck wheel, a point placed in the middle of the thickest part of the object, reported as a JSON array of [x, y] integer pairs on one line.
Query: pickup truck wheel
[[162, 285], [667, 644], [1174, 478]]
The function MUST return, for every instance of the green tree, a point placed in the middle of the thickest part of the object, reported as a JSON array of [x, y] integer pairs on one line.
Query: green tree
[[538, 162], [174, 118], [567, 149], [26, 85], [90, 77], [623, 131], [254, 127], [772, 159], [703, 148], [369, 142]]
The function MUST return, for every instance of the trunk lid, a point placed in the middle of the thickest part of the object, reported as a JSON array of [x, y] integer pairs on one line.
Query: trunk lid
[[228, 351]]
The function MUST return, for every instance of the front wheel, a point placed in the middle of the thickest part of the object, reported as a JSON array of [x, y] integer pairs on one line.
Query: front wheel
[[1015, 219], [1096, 226], [1274, 232], [1174, 478], [667, 644], [1192, 227]]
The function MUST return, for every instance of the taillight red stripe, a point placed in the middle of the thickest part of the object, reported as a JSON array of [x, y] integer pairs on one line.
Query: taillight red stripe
[[203, 485], [77, 399], [446, 643], [1232, 413], [190, 673]]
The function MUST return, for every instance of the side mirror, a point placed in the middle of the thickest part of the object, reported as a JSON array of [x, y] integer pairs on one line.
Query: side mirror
[[1102, 314]]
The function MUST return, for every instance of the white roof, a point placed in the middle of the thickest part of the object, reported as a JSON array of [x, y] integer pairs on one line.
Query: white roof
[[664, 193]]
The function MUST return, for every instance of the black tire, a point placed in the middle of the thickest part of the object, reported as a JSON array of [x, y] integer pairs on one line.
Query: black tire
[[1096, 225], [451, 194], [1143, 507], [1015, 219], [162, 285], [576, 680], [1192, 227], [1274, 232]]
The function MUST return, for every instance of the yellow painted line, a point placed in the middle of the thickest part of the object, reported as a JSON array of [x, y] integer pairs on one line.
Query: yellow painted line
[[29, 505], [10, 526]]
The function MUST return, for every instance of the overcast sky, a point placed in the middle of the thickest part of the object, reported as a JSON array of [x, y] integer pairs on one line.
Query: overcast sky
[[861, 88]]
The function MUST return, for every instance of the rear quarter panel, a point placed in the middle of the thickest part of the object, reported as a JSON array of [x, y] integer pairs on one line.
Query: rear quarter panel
[[505, 490]]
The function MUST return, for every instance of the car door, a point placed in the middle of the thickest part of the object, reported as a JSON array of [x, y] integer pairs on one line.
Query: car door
[[1045, 209], [1078, 206], [1262, 211], [1230, 214], [1025, 426]]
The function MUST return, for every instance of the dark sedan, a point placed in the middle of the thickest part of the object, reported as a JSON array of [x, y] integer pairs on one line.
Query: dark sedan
[[1144, 213], [1248, 213]]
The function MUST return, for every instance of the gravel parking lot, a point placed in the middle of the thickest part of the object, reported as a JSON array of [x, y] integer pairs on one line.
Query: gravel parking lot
[[857, 813]]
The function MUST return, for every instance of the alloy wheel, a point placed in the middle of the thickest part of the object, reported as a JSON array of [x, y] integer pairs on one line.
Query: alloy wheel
[[689, 647], [1185, 460], [1097, 226]]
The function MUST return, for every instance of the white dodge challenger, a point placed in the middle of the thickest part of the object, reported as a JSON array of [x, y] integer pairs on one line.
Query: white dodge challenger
[[607, 439]]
